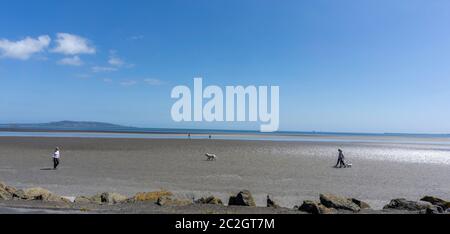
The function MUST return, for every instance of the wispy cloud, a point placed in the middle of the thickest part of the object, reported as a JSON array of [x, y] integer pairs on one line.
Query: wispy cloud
[[23, 49], [153, 82], [107, 80], [114, 59], [97, 69], [136, 37], [71, 61], [128, 83], [71, 44], [114, 63]]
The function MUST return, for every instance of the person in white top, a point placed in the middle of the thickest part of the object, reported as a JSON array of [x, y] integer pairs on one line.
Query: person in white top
[[56, 156]]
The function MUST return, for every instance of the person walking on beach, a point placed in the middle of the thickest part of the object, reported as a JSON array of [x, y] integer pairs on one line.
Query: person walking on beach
[[56, 156], [340, 163]]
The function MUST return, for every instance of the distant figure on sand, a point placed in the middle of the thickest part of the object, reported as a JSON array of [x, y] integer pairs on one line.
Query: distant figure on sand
[[209, 136], [56, 156], [340, 163], [189, 135]]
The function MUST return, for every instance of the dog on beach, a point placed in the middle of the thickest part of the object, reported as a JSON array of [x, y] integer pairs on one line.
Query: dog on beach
[[347, 165], [210, 157]]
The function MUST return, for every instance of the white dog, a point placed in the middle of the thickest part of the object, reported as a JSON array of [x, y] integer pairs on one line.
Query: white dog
[[210, 157]]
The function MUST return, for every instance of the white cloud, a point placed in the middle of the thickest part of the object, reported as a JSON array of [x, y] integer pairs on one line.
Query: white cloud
[[71, 61], [107, 80], [128, 83], [114, 60], [137, 37], [103, 69], [25, 48], [153, 81], [71, 44]]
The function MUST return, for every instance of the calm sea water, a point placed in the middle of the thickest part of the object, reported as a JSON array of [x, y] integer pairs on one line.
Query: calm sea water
[[440, 139]]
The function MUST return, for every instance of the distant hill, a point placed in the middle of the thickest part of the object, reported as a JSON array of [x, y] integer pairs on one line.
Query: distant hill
[[65, 125]]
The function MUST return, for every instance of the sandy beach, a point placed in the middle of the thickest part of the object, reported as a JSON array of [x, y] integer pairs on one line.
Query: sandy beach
[[289, 171]]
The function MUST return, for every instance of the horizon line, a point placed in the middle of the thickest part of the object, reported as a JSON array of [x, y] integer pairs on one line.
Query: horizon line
[[202, 129]]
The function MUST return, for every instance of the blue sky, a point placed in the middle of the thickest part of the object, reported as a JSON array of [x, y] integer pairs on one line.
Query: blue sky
[[349, 66]]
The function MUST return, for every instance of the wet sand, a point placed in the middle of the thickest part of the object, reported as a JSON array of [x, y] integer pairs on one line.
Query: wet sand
[[289, 171]]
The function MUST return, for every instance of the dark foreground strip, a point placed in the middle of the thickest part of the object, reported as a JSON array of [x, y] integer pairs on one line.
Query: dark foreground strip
[[50, 223]]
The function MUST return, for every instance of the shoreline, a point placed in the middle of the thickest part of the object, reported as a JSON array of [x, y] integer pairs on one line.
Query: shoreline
[[41, 201]]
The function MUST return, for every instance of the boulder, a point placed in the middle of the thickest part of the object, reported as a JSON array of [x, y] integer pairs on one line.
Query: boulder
[[19, 194], [151, 196], [5, 195], [6, 192], [170, 201], [82, 200], [243, 198], [42, 195], [434, 210], [108, 198], [340, 203], [313, 207], [310, 207], [361, 204], [113, 198], [271, 203], [437, 202], [209, 200], [97, 198], [325, 210], [403, 204]]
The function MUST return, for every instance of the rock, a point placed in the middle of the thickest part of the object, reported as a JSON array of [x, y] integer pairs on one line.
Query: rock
[[42, 195], [37, 194], [82, 200], [361, 204], [271, 203], [310, 207], [340, 203], [108, 198], [313, 207], [151, 196], [243, 198], [7, 188], [113, 198], [6, 192], [170, 201], [325, 210], [19, 194], [434, 210], [97, 198], [209, 200], [437, 202], [5, 195], [403, 204]]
